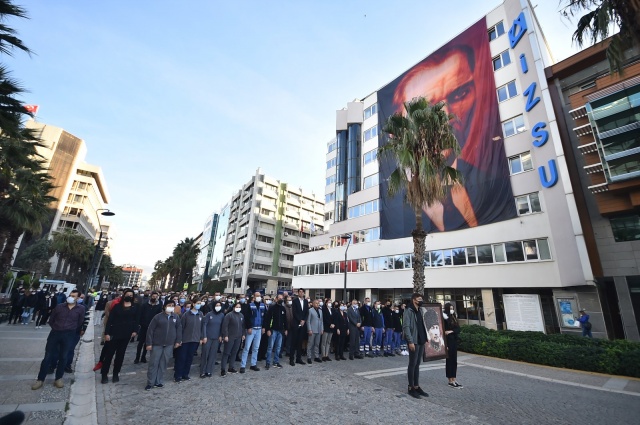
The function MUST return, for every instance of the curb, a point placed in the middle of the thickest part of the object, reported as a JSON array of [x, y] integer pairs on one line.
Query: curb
[[82, 398]]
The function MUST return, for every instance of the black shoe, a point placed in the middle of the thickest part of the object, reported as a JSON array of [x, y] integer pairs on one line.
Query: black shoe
[[208, 375], [223, 373], [136, 361], [317, 360], [147, 388], [233, 371], [266, 367], [337, 359], [292, 363], [203, 375], [277, 365], [177, 380], [309, 361], [351, 357], [159, 385], [186, 378], [255, 368], [242, 370], [369, 354], [217, 363], [391, 355], [458, 385], [413, 393], [327, 359], [143, 360], [115, 378], [343, 358], [299, 362], [104, 380], [68, 369], [421, 392], [386, 354], [359, 357]]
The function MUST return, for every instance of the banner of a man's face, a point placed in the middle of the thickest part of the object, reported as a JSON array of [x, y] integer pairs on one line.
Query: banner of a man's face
[[461, 74]]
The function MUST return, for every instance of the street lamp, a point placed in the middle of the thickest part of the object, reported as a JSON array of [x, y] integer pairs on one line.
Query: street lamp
[[95, 261], [344, 292]]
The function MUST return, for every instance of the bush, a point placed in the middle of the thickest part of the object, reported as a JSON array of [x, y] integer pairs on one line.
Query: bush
[[620, 357]]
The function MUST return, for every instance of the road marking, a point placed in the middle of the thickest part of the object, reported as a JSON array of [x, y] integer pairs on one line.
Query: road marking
[[21, 359], [555, 381], [32, 407], [402, 371], [616, 383]]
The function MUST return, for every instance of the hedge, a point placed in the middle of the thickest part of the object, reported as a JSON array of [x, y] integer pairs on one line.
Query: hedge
[[618, 357]]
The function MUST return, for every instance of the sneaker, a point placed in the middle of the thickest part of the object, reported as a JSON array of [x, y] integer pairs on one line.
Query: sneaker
[[115, 378], [266, 367], [136, 361], [203, 375], [37, 385], [104, 380], [458, 385], [143, 360], [421, 392], [317, 360], [186, 378], [208, 375], [233, 371], [255, 368], [58, 383], [159, 385], [309, 361], [413, 393], [452, 384], [277, 365], [223, 373], [177, 380], [97, 367], [147, 388], [241, 370]]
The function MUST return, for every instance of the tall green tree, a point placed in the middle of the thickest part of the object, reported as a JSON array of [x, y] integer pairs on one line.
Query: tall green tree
[[35, 258], [422, 143], [185, 256], [600, 18]]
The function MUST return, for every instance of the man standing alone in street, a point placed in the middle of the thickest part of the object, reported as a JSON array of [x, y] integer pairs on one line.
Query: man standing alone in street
[[415, 334], [65, 320]]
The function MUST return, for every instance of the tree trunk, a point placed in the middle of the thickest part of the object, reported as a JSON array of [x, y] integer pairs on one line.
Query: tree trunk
[[419, 237], [56, 274], [9, 247]]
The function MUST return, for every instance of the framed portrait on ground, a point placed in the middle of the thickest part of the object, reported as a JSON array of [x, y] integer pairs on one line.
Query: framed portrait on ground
[[436, 347]]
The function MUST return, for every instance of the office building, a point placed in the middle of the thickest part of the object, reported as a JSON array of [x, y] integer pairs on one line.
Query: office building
[[132, 275]]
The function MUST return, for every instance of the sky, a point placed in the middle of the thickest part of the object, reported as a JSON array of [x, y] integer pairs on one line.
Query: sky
[[181, 102]]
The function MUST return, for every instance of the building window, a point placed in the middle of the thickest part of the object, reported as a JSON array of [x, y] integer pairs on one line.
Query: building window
[[370, 156], [371, 133], [626, 228], [364, 209], [332, 146], [370, 181], [520, 163], [371, 111], [507, 91], [331, 179], [496, 31], [502, 60], [527, 204], [329, 197], [513, 126], [328, 216], [331, 163]]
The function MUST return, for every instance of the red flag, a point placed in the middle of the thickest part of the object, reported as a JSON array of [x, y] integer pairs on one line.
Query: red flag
[[32, 109]]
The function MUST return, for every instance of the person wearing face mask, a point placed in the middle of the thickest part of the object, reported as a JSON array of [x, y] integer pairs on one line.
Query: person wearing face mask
[[76, 337], [49, 305], [148, 311], [355, 322], [233, 333], [366, 312], [275, 327], [192, 337], [396, 320], [164, 334], [315, 328], [253, 323], [122, 325], [416, 335], [211, 331], [286, 341], [100, 306], [300, 309], [388, 331], [329, 329], [451, 331], [264, 341], [378, 329], [341, 328], [64, 321]]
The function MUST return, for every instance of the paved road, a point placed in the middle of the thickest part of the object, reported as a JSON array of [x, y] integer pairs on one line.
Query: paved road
[[373, 390]]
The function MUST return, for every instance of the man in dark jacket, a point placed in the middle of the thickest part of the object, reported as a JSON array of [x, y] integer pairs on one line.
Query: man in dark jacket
[[355, 322], [388, 331], [366, 312], [164, 333], [378, 329], [300, 309], [147, 312], [275, 326]]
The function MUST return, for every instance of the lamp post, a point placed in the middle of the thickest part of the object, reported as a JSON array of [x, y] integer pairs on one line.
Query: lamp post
[[95, 261], [344, 292]]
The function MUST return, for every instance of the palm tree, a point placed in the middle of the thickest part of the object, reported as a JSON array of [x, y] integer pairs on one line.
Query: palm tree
[[422, 142], [185, 256], [599, 21]]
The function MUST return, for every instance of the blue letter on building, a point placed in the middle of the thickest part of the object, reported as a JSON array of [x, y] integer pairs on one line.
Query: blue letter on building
[[519, 25], [553, 171], [537, 131], [531, 101], [523, 63]]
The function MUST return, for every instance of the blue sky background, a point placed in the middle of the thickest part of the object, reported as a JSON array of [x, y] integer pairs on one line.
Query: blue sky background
[[180, 102]]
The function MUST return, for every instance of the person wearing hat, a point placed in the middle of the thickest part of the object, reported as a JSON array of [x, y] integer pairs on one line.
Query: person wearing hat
[[584, 323]]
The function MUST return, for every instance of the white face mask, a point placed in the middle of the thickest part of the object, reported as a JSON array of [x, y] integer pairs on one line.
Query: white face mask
[[217, 297], [169, 309], [237, 310], [289, 302], [71, 300], [451, 311], [397, 311], [320, 303], [258, 299], [368, 303], [218, 308], [268, 302]]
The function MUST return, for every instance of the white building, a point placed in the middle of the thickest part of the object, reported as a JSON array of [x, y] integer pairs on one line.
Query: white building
[[517, 255]]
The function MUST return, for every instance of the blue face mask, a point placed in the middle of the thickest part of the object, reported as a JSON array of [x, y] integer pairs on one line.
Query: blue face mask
[[79, 301], [182, 300], [242, 300], [198, 306]]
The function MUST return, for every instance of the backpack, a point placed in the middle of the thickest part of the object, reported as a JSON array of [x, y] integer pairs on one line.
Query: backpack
[[587, 325]]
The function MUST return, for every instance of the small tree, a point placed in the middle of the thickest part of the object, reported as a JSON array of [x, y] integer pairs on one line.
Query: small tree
[[422, 142]]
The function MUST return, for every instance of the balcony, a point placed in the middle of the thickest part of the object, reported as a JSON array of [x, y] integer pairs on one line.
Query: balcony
[[599, 188], [580, 112], [286, 263], [588, 148], [264, 245], [583, 130], [593, 168], [265, 232]]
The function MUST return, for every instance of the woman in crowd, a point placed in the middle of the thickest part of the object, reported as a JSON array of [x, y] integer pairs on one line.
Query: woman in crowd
[[191, 338], [329, 326], [121, 326], [211, 331], [28, 304], [233, 333], [451, 331], [341, 326]]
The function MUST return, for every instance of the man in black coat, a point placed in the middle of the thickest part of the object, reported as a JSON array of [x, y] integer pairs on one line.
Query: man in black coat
[[148, 311], [300, 309]]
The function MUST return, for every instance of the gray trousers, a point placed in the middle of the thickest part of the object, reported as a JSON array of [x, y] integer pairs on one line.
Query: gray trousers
[[325, 344], [313, 346], [230, 352], [158, 360], [209, 356]]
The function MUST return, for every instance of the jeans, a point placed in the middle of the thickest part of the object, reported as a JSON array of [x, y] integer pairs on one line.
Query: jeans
[[252, 341], [72, 348], [397, 336], [184, 360], [586, 332], [413, 371], [57, 344], [29, 311], [275, 342]]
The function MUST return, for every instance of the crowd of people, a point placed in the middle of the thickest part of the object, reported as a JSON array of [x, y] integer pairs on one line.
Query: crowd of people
[[247, 329]]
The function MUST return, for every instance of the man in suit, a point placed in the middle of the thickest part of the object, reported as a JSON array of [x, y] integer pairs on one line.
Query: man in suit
[[300, 312], [355, 321], [315, 327]]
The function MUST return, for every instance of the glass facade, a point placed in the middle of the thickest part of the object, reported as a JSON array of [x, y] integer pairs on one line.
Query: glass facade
[[219, 237], [353, 158], [341, 176]]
